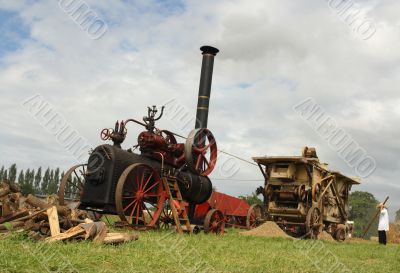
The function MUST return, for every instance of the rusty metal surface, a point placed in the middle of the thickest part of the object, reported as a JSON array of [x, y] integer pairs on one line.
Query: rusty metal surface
[[72, 184], [303, 196], [214, 222]]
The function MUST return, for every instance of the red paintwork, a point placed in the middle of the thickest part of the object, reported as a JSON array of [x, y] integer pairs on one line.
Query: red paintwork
[[152, 145], [227, 204]]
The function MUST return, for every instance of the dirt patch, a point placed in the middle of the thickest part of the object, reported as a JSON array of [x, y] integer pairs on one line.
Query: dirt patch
[[325, 236], [268, 229]]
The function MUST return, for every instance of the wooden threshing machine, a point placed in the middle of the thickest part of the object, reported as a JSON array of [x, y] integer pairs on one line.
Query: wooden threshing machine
[[303, 196]]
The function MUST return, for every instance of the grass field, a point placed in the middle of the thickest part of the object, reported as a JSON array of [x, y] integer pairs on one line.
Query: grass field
[[169, 252]]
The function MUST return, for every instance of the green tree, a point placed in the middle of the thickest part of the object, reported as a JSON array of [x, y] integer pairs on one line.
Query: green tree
[[397, 216], [12, 173], [29, 181], [32, 181], [45, 182], [38, 180], [27, 184], [362, 208], [54, 181], [1, 173], [251, 199], [5, 176], [21, 178]]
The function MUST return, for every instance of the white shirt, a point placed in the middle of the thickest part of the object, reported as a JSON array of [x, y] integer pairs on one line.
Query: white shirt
[[383, 220]]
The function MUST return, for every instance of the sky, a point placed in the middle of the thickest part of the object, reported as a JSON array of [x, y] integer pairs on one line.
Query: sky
[[274, 54]]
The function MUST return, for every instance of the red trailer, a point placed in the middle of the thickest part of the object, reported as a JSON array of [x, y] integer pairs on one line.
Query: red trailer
[[223, 209]]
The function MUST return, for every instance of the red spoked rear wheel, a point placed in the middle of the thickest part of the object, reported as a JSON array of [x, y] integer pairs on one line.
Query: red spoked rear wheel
[[214, 222], [255, 216], [201, 151], [140, 196]]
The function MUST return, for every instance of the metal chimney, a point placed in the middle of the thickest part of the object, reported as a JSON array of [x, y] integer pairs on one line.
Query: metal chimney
[[203, 102]]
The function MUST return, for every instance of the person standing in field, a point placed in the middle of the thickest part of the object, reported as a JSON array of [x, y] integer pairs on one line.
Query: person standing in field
[[383, 225]]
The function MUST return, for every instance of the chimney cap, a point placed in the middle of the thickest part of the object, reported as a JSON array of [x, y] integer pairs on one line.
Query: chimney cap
[[209, 50]]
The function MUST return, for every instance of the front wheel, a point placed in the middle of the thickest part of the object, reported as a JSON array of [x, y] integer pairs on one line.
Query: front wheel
[[140, 196], [313, 222]]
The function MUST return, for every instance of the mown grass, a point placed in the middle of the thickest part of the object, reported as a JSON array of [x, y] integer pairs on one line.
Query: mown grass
[[168, 252]]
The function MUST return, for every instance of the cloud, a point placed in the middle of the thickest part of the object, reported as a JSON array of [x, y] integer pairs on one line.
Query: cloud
[[274, 54]]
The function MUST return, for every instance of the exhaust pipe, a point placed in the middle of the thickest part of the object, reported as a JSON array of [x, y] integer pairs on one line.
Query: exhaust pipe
[[203, 102]]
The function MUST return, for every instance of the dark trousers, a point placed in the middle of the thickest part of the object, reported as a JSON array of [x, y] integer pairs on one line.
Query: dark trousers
[[382, 237]]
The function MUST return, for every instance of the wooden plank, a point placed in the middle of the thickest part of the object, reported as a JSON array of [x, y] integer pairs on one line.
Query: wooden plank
[[53, 221], [72, 232], [117, 238]]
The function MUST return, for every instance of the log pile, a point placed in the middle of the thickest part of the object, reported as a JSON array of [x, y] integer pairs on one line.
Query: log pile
[[49, 221]]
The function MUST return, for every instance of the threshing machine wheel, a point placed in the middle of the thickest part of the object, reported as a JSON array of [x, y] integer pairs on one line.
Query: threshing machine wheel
[[255, 216], [140, 195], [313, 222], [316, 191], [201, 151], [214, 222], [301, 192], [340, 233], [71, 186]]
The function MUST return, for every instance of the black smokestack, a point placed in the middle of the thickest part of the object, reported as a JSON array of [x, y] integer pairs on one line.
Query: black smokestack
[[207, 65]]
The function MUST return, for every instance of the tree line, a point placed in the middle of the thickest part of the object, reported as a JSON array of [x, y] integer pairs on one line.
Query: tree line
[[33, 181]]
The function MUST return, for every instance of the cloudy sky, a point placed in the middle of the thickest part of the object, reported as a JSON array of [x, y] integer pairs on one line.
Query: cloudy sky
[[273, 55]]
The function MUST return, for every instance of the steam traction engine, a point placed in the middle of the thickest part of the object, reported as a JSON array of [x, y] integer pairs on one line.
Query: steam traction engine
[[303, 196], [164, 182]]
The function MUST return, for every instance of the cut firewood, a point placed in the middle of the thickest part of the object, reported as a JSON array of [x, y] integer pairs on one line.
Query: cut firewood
[[30, 216], [101, 232], [45, 219], [72, 232], [53, 221], [37, 202], [118, 238], [14, 216], [4, 192], [5, 208], [8, 225], [95, 230]]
